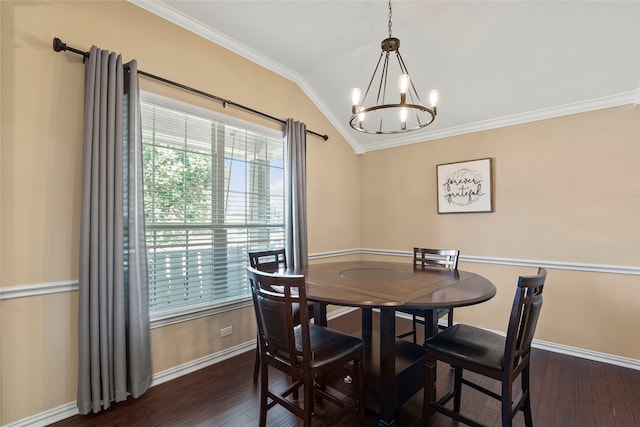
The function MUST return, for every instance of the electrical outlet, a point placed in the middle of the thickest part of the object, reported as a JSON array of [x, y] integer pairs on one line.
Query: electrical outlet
[[225, 332]]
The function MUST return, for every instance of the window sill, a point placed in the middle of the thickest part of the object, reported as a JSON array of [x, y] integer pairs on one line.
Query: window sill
[[161, 319]]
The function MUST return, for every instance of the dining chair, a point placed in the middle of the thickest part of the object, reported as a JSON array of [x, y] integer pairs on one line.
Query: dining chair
[[304, 351], [488, 354], [268, 260], [271, 261], [424, 258]]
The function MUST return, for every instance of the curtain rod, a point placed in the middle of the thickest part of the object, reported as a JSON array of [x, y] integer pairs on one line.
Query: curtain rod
[[59, 46]]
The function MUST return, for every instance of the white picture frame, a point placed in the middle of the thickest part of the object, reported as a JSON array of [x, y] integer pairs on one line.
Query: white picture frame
[[465, 187]]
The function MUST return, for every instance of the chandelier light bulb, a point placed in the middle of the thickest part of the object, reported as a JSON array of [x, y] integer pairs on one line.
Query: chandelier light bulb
[[355, 98], [361, 115], [434, 97], [404, 83], [403, 115], [403, 118]]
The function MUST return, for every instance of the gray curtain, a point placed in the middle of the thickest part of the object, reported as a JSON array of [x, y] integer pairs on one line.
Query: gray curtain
[[296, 229], [114, 356]]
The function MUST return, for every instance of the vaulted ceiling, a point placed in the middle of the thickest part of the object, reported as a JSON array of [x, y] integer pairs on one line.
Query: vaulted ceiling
[[495, 63]]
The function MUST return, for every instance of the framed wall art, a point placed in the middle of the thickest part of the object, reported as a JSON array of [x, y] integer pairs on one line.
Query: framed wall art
[[465, 187]]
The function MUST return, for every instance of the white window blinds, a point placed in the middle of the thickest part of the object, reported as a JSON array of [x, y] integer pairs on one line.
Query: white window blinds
[[212, 192]]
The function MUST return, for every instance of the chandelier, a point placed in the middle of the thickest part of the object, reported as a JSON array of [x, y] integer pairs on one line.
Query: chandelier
[[385, 117]]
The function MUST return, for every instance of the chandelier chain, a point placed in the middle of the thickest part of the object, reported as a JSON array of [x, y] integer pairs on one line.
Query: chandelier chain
[[389, 18]]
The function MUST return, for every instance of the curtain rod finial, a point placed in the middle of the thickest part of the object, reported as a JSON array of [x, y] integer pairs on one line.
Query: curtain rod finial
[[58, 45]]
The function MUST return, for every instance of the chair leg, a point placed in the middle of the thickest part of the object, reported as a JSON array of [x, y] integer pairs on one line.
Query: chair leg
[[256, 366], [264, 389], [295, 395], [358, 373], [308, 397], [415, 333], [506, 401], [457, 388], [429, 391], [526, 405]]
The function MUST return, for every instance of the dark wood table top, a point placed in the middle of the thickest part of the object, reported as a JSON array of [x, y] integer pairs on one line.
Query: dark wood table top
[[393, 285], [396, 368]]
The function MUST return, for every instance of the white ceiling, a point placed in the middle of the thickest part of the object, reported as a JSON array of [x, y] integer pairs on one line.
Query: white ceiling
[[495, 63]]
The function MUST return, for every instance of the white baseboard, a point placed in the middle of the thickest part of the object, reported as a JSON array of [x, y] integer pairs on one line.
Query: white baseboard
[[47, 417], [610, 359], [203, 362], [70, 409]]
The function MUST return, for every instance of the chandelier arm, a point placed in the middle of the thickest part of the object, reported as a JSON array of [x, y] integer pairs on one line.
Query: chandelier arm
[[383, 86], [418, 118], [404, 69], [412, 88], [420, 103], [373, 76]]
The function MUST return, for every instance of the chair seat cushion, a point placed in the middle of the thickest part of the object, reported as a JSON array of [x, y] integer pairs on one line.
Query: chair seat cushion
[[328, 346], [469, 344]]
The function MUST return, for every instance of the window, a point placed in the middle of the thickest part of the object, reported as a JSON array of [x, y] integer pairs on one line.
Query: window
[[212, 191]]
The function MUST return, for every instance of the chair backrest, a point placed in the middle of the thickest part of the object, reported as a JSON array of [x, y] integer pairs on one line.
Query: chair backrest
[[274, 314], [270, 260], [435, 258], [525, 312]]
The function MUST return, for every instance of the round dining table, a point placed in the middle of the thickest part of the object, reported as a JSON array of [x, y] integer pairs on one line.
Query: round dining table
[[394, 369]]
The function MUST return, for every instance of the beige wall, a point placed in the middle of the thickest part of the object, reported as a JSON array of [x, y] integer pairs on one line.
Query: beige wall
[[566, 191], [556, 193], [40, 170]]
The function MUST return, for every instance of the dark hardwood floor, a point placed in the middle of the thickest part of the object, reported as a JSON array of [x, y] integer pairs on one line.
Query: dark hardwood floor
[[567, 391]]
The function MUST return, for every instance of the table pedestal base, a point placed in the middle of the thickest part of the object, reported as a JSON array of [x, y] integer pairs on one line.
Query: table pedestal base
[[409, 377]]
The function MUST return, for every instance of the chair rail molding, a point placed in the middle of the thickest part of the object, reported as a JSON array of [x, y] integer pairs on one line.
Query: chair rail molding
[[10, 292], [559, 265]]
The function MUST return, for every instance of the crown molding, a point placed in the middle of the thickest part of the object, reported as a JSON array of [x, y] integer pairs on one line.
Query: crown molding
[[625, 98], [176, 17], [188, 23]]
